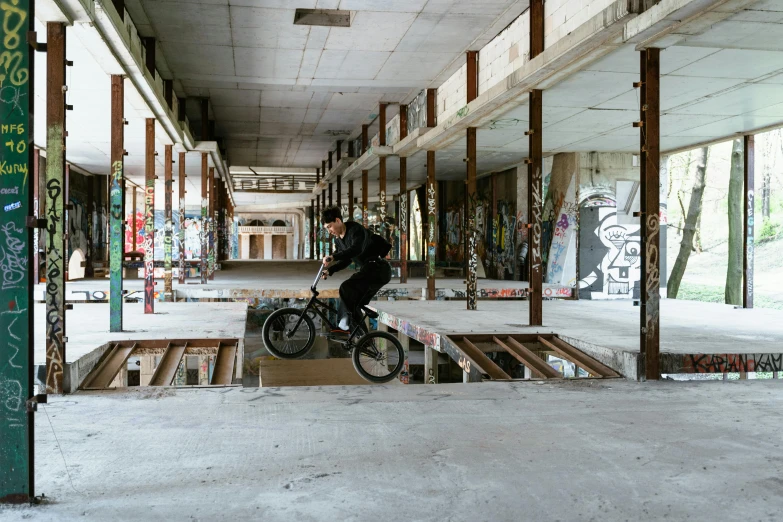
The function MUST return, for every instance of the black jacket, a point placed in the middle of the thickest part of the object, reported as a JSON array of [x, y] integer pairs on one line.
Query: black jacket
[[357, 245]]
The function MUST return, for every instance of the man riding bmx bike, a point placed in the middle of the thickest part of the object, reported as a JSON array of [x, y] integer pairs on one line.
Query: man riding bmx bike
[[367, 250]]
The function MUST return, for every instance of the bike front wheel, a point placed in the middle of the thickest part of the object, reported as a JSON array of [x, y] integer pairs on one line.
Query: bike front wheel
[[283, 338], [378, 357]]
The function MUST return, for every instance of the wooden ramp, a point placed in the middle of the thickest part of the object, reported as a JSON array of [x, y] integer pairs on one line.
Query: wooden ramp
[[171, 354], [531, 350], [307, 372]]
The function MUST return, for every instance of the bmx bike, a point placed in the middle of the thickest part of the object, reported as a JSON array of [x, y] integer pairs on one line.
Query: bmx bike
[[289, 333]]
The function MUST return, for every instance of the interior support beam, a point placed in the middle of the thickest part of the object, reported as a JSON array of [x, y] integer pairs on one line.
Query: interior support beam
[[382, 170], [331, 203], [534, 176], [149, 218], [350, 199], [470, 192], [403, 216], [432, 224], [312, 229], [317, 232], [168, 293], [117, 202], [204, 119], [365, 180], [181, 231], [37, 239], [17, 428], [204, 178], [748, 247], [89, 256], [56, 194], [211, 221], [650, 155]]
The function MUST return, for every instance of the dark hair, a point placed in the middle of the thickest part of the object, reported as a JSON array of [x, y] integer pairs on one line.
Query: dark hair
[[330, 214]]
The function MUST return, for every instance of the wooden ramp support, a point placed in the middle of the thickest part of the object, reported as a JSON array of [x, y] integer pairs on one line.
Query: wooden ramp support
[[167, 368], [581, 359], [224, 364], [103, 374], [481, 360], [521, 353]]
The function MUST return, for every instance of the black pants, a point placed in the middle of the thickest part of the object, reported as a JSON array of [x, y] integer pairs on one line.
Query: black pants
[[361, 287]]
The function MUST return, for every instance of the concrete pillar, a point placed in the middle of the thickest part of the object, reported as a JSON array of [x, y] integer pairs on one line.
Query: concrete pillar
[[203, 370], [747, 245], [147, 369], [267, 246], [430, 365], [244, 246]]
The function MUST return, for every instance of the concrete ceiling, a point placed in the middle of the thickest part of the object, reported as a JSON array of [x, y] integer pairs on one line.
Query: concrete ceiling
[[280, 93]]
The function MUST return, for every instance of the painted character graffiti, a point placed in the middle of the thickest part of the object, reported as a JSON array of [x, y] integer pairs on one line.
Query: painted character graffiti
[[611, 255]]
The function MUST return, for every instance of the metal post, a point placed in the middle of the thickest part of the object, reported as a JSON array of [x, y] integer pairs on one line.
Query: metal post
[[56, 250], [382, 170], [748, 245], [36, 214], [329, 239], [471, 197], [181, 231], [534, 175], [16, 243], [149, 218], [432, 224], [648, 361], [168, 293], [350, 199], [203, 232], [117, 202], [339, 193], [89, 257], [211, 225], [134, 231], [365, 180], [312, 229], [403, 217]]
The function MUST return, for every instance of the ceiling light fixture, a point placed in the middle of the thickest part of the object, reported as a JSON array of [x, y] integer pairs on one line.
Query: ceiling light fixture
[[325, 17]]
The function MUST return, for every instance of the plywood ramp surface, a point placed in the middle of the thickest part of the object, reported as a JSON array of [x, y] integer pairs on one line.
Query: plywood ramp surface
[[318, 372]]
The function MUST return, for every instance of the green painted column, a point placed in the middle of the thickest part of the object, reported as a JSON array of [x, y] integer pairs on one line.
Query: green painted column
[[16, 249], [116, 203]]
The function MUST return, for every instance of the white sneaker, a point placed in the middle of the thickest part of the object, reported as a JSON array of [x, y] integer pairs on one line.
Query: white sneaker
[[344, 323]]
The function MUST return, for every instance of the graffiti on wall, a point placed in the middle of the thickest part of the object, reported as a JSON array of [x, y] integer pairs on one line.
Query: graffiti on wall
[[610, 255]]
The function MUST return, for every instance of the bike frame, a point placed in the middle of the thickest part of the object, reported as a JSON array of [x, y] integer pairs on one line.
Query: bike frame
[[321, 308]]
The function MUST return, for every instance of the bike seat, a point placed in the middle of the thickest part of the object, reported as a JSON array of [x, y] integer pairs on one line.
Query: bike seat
[[369, 313]]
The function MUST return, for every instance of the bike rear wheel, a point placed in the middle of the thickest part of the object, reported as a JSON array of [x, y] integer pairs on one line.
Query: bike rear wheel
[[378, 357], [280, 338]]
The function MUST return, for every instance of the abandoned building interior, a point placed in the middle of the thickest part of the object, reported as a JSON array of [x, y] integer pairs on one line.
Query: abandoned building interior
[[560, 182]]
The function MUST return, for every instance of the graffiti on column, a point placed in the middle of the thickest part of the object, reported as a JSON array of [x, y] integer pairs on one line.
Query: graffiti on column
[[181, 236], [472, 254], [535, 243], [211, 246], [431, 220], [149, 242], [54, 278], [116, 247], [750, 246], [167, 240], [203, 241], [382, 211], [653, 276]]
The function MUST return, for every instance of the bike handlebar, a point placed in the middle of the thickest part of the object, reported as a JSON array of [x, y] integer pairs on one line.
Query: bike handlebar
[[318, 277]]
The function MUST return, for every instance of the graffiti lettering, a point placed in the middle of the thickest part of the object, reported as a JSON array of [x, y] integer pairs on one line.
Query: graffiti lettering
[[12, 261]]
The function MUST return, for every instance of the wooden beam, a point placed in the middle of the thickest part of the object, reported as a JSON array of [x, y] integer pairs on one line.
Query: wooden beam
[[581, 359], [526, 356], [484, 363], [748, 247]]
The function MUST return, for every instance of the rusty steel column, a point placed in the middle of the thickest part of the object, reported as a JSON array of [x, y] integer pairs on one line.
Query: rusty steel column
[[211, 227], [340, 193], [382, 170], [471, 196], [350, 199], [431, 223], [748, 247], [203, 231], [36, 214], [17, 249], [650, 155], [56, 204], [317, 229], [534, 174], [365, 181], [329, 238], [90, 207], [149, 218], [403, 217], [134, 231], [181, 217], [312, 229], [117, 202], [168, 292]]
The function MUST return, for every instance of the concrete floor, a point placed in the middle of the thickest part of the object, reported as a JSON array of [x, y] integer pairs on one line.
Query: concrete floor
[[587, 450], [87, 325]]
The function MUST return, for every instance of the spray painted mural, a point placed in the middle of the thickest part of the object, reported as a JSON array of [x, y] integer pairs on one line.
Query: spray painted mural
[[610, 255], [192, 238]]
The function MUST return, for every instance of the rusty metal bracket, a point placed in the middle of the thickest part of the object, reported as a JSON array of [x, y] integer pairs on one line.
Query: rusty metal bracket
[[32, 403], [35, 222], [32, 41], [638, 124]]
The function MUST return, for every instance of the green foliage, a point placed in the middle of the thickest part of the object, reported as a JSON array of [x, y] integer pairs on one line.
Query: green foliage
[[715, 294], [769, 231]]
